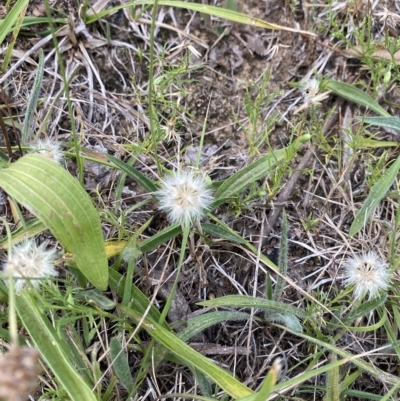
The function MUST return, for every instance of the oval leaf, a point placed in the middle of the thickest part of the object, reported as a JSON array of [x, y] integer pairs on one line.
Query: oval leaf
[[57, 198]]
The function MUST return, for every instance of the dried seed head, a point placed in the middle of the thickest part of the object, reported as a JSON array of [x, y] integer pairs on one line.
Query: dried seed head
[[185, 197], [368, 273], [309, 88], [19, 368], [27, 260], [48, 147]]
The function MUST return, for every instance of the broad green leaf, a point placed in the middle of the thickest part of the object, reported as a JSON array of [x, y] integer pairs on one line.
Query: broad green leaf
[[257, 170], [191, 357], [140, 178], [377, 193], [385, 122], [11, 18], [356, 95], [246, 301], [51, 348], [224, 13], [57, 198], [120, 363]]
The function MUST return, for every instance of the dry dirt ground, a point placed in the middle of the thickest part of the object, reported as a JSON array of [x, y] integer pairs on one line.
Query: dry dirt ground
[[109, 64]]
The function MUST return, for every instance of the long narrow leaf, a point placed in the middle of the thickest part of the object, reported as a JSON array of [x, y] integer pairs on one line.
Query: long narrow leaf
[[377, 193], [120, 363], [33, 98], [283, 260], [141, 179], [356, 95], [10, 47], [220, 12], [246, 301], [193, 358], [385, 122], [202, 322], [257, 170], [51, 348], [11, 18], [57, 198]]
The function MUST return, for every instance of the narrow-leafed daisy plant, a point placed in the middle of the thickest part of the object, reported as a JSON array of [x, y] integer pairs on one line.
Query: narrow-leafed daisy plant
[[368, 273], [30, 261], [185, 197]]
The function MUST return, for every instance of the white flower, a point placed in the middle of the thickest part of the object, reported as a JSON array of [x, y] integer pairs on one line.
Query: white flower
[[368, 273], [30, 261], [185, 197], [48, 147]]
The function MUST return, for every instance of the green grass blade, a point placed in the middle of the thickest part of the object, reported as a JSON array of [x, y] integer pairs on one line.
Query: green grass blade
[[7, 24], [378, 191], [57, 198], [221, 377], [356, 95], [246, 301], [385, 122], [51, 348]]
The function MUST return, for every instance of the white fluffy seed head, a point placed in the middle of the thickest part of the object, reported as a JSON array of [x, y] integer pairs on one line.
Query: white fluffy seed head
[[368, 273], [185, 197], [48, 147], [309, 88], [30, 261]]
